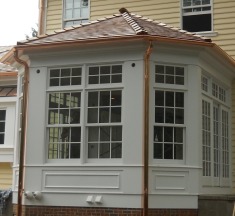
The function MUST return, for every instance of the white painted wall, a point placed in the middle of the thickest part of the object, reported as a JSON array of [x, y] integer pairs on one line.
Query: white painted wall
[[70, 182]]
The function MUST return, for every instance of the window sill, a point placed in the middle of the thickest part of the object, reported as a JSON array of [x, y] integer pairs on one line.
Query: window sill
[[207, 34]]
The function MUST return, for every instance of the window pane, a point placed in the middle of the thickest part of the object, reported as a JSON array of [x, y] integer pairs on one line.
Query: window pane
[[179, 116], [158, 151], [178, 135], [170, 79], [105, 79], [64, 116], [168, 134], [2, 126], [116, 150], [117, 133], [168, 151], [116, 98], [65, 72], [116, 114], [104, 133], [76, 71], [92, 115], [116, 79], [104, 98], [179, 99], [75, 134], [105, 70], [1, 139], [158, 134], [2, 115], [75, 99], [170, 99], [179, 71], [159, 69], [93, 134], [75, 151], [169, 118], [93, 80], [116, 69], [159, 115], [159, 98], [54, 82], [92, 150], [76, 81], [104, 115], [76, 13], [69, 3], [55, 73], [93, 70], [65, 81], [92, 99], [104, 150], [159, 79], [178, 152]]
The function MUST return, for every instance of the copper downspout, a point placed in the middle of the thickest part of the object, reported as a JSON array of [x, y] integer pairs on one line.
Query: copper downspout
[[146, 126], [41, 20], [23, 133]]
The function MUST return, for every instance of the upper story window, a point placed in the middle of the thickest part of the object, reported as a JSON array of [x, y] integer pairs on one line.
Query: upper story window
[[197, 15], [75, 12], [2, 125]]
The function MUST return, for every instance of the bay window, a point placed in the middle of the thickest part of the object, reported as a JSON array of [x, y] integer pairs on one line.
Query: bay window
[[69, 99]]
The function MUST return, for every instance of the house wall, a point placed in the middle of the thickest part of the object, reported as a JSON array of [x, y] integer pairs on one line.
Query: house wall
[[165, 11], [5, 175], [119, 183]]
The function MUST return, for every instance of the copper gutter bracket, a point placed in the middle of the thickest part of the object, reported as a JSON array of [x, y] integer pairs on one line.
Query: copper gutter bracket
[[23, 133], [146, 127]]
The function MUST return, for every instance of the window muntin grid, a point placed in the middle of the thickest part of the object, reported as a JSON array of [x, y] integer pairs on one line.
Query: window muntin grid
[[64, 129], [75, 12], [105, 142], [216, 136], [196, 6], [225, 144], [206, 138], [219, 92], [104, 107], [168, 134], [169, 74], [204, 83], [65, 76], [105, 74], [2, 126]]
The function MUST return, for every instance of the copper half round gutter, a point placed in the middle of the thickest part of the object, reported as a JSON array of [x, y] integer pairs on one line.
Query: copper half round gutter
[[41, 27], [23, 132], [146, 127]]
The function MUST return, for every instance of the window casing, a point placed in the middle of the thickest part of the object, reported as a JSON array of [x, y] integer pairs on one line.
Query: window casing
[[197, 15], [215, 134], [2, 126], [75, 12], [169, 124], [100, 132]]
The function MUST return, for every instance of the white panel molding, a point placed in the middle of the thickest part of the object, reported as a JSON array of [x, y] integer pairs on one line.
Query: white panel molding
[[68, 180]]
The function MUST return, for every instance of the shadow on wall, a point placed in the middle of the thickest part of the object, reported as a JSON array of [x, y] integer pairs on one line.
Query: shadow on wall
[[216, 205]]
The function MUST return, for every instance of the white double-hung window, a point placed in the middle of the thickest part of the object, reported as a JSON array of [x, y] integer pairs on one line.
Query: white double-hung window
[[75, 12], [85, 112], [169, 125], [2, 126], [215, 133], [197, 15]]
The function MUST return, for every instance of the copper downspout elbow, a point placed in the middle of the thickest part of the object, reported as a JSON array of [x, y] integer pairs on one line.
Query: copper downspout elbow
[[23, 132], [146, 127]]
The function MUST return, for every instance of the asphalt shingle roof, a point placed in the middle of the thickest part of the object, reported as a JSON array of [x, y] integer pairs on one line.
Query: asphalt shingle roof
[[124, 24]]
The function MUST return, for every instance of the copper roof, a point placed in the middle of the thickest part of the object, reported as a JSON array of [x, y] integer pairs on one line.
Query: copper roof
[[6, 68], [4, 50], [8, 91], [124, 24]]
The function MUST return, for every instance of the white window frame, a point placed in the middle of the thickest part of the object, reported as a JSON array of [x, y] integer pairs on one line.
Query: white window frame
[[83, 88], [3, 121], [75, 20], [174, 88], [216, 178], [185, 13]]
